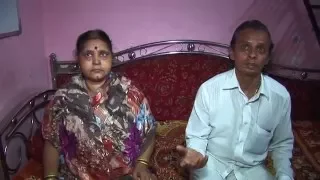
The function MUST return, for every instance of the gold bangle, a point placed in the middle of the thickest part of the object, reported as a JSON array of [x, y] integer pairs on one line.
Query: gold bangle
[[143, 162], [51, 176]]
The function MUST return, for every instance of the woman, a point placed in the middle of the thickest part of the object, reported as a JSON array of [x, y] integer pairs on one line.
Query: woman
[[100, 125]]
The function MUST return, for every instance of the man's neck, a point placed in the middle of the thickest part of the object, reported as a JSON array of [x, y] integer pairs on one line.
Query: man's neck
[[249, 84]]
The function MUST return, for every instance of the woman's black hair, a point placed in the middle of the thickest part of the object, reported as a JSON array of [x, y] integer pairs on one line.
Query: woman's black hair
[[90, 35]]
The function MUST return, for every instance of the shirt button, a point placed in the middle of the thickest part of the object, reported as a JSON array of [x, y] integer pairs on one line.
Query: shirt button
[[245, 123]]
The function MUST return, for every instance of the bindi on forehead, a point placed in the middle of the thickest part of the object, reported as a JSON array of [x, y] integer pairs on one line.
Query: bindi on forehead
[[96, 47]]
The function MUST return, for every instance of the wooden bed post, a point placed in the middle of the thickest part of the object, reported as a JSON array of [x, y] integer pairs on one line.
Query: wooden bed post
[[53, 67]]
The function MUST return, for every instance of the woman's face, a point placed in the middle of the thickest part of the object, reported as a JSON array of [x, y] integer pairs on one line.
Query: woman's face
[[95, 60]]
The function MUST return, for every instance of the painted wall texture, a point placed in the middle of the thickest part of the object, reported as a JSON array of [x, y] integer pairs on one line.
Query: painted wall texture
[[53, 26], [288, 21], [23, 66], [142, 21]]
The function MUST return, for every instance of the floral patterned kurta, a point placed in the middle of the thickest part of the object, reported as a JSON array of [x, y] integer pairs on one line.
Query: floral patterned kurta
[[99, 137]]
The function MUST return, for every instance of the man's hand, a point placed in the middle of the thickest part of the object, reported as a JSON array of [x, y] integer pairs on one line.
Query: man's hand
[[191, 158]]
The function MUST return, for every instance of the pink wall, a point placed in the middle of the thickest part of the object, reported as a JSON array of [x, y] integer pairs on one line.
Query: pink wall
[[288, 22], [130, 23], [24, 70]]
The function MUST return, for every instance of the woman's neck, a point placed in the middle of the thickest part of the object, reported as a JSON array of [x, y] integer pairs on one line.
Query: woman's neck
[[94, 87]]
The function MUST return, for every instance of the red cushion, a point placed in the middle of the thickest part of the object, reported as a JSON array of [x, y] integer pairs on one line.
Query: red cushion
[[33, 170], [171, 82], [35, 147]]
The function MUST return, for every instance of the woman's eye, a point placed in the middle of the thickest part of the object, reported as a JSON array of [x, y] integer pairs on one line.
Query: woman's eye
[[104, 54]]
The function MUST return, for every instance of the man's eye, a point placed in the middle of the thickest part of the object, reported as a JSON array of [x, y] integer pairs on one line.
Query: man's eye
[[244, 47], [261, 50]]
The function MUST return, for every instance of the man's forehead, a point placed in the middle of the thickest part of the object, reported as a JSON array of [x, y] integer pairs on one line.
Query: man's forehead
[[254, 36], [255, 41]]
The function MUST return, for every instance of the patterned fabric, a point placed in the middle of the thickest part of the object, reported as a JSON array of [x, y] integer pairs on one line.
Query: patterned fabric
[[99, 137], [307, 136], [170, 82], [171, 133], [165, 160]]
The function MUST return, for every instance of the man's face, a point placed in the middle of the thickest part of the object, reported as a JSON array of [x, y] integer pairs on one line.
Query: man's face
[[251, 51]]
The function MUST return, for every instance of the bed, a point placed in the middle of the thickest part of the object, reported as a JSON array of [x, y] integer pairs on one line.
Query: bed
[[171, 72]]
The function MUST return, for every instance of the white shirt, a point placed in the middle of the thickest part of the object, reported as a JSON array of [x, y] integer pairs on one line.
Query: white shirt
[[239, 131]]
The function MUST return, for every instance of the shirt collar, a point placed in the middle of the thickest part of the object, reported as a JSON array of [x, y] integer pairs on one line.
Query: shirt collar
[[232, 83]]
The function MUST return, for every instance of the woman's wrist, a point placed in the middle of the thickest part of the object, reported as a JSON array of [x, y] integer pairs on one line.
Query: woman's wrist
[[51, 177], [143, 161]]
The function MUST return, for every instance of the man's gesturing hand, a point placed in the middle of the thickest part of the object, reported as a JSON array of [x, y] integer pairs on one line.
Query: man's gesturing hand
[[191, 158]]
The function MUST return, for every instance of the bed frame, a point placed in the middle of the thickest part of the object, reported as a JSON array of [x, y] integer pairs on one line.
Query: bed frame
[[17, 131], [145, 51]]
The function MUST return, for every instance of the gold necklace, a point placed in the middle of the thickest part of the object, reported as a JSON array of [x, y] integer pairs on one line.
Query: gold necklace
[[258, 87]]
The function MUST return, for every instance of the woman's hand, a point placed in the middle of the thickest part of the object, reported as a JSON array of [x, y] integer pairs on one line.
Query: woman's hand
[[141, 172]]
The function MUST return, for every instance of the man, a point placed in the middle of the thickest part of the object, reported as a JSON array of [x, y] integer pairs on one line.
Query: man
[[241, 115]]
